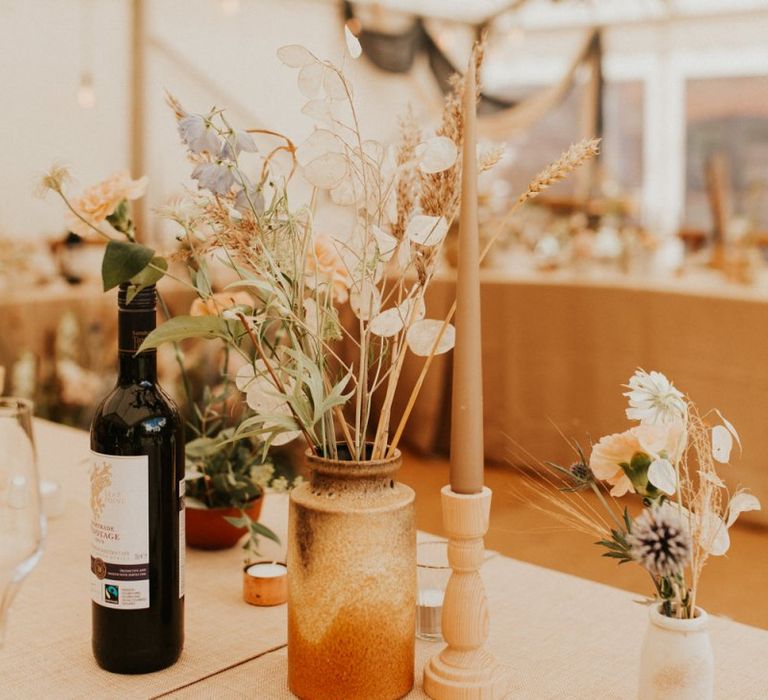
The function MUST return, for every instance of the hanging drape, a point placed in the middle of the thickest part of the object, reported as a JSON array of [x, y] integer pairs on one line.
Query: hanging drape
[[498, 118]]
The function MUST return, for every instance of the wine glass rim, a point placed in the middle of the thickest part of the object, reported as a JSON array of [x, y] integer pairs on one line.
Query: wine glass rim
[[17, 402]]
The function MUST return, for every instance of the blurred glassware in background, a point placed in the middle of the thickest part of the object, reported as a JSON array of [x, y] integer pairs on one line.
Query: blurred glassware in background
[[22, 524], [433, 574]]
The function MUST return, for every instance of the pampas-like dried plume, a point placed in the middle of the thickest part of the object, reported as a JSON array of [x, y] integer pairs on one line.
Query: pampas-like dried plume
[[407, 182], [440, 191]]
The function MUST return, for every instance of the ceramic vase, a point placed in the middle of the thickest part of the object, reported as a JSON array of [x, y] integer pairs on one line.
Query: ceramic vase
[[351, 582], [676, 659]]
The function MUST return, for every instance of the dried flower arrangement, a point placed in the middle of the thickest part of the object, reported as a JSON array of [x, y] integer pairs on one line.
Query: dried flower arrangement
[[282, 315], [668, 460]]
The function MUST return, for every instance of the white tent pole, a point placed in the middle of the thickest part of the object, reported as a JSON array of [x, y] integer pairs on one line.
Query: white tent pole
[[137, 116]]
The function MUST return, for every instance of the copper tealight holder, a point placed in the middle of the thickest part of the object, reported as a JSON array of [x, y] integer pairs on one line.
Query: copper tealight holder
[[265, 583]]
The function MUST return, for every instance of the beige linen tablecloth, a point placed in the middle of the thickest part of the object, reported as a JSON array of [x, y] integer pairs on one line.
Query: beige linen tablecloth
[[557, 349], [562, 637]]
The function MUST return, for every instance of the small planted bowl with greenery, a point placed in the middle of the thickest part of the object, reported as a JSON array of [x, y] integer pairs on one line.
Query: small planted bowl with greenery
[[225, 489], [227, 478]]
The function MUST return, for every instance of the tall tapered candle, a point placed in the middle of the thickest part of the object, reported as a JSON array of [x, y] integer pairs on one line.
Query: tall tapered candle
[[467, 409]]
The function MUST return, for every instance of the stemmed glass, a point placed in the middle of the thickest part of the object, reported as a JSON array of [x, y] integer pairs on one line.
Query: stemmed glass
[[22, 525]]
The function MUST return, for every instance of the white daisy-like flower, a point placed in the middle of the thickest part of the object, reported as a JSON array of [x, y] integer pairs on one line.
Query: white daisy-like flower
[[654, 399]]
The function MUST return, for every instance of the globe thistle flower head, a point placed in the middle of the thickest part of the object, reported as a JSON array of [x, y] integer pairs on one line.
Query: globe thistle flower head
[[581, 472], [659, 541]]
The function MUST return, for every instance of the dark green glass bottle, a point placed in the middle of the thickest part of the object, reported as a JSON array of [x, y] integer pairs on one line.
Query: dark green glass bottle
[[137, 508]]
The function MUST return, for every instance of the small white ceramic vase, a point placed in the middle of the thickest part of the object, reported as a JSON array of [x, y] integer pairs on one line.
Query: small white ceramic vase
[[676, 662]]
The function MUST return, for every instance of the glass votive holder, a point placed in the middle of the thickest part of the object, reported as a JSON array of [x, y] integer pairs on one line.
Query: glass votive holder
[[433, 573]]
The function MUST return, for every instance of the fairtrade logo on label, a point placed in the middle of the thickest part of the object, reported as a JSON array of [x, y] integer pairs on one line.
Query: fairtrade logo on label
[[111, 593]]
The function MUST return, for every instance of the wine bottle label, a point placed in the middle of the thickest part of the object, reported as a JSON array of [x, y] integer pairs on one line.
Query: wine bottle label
[[120, 531], [133, 328], [182, 539]]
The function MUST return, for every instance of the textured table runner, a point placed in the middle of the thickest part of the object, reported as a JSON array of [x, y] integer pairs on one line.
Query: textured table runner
[[562, 636], [48, 653]]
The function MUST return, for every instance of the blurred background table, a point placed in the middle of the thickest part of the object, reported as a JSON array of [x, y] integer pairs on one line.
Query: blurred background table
[[558, 346], [58, 345], [562, 636]]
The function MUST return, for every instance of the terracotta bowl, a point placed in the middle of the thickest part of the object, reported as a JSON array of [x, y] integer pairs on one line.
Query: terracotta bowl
[[206, 528]]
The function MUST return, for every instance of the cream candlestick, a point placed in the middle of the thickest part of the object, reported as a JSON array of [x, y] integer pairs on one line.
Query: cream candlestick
[[467, 456], [464, 669]]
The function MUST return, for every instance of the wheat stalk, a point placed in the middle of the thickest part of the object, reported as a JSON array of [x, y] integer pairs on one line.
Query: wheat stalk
[[489, 158], [578, 154]]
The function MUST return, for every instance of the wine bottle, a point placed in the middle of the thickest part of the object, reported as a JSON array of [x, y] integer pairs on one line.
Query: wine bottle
[[137, 508]]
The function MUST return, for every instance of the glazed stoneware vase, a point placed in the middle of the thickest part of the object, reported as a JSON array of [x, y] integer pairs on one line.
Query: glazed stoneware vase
[[351, 582], [676, 660]]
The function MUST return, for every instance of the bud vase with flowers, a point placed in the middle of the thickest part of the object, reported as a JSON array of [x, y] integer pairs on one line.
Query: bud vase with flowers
[[667, 463]]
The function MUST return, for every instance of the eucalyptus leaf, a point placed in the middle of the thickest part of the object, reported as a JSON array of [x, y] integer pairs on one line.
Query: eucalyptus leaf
[[259, 529], [122, 261], [183, 327], [202, 447]]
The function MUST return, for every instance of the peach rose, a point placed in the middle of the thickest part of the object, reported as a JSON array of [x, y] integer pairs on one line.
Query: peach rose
[[608, 454], [325, 266], [101, 200], [213, 306]]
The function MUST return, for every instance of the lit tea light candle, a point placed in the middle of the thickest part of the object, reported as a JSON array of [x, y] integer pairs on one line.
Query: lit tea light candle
[[267, 570], [265, 583], [429, 613]]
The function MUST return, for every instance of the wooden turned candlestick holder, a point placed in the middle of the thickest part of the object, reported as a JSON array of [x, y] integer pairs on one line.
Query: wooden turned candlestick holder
[[464, 669]]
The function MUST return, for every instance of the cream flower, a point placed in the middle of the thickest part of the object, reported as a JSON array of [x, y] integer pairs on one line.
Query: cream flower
[[216, 304], [101, 200], [325, 266], [663, 444], [264, 399], [662, 440], [654, 399], [607, 456]]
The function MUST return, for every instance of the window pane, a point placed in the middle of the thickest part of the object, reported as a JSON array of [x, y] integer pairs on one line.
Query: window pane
[[622, 148], [728, 115]]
